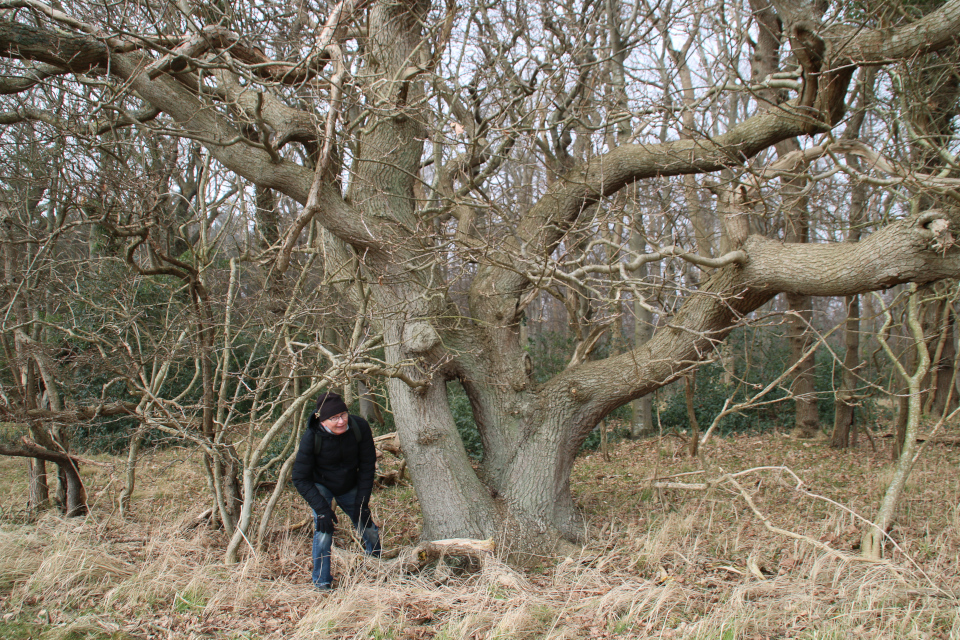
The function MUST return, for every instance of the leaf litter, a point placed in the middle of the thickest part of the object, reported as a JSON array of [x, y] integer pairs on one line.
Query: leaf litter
[[685, 563]]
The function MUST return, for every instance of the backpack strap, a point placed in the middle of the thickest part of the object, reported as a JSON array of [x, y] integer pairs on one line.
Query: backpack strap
[[355, 428]]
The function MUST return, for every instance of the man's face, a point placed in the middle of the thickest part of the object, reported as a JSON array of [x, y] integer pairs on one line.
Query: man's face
[[338, 423]]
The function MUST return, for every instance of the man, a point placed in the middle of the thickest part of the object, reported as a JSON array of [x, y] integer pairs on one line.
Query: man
[[336, 460]]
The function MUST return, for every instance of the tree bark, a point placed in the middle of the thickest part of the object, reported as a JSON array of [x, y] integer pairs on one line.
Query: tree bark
[[844, 424], [369, 409], [689, 389], [75, 496], [452, 498], [872, 542], [39, 496], [641, 423]]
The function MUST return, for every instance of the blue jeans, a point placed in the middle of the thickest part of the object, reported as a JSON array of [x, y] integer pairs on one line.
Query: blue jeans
[[323, 542]]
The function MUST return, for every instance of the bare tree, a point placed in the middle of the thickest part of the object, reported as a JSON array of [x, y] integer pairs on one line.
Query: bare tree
[[398, 129], [872, 541]]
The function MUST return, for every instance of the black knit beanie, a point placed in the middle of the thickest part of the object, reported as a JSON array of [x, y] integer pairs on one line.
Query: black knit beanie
[[329, 404]]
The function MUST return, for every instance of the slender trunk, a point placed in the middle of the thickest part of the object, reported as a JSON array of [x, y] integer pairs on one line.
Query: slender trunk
[[369, 409], [282, 477], [641, 424], [245, 515], [900, 429], [728, 360], [133, 455], [75, 500], [641, 409], [689, 389], [796, 224], [872, 541], [223, 466], [903, 402], [845, 414], [807, 418], [604, 451], [799, 321], [946, 368], [227, 468], [844, 424], [39, 497], [941, 370]]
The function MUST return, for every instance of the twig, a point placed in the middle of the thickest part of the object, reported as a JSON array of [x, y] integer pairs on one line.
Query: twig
[[790, 534]]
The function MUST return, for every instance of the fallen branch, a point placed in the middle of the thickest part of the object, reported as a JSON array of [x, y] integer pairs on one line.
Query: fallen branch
[[689, 486], [389, 443], [948, 440], [297, 526], [790, 534], [392, 477], [426, 552], [730, 478], [199, 520]]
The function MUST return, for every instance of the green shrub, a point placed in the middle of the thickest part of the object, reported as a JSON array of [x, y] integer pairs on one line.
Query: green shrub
[[770, 357], [463, 417]]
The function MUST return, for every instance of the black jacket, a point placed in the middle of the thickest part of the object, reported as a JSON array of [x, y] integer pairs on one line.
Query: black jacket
[[343, 463]]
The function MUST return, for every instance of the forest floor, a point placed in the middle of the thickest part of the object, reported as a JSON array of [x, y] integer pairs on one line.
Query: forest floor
[[660, 563]]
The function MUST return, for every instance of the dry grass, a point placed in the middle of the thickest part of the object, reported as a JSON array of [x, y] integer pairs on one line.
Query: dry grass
[[670, 564]]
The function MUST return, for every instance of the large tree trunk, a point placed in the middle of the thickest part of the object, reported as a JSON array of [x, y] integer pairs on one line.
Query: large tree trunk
[[530, 475], [453, 500]]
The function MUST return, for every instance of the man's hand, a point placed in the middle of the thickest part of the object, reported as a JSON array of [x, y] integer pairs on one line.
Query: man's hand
[[324, 520]]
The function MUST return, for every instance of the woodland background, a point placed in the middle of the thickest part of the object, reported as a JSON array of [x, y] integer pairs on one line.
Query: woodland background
[[658, 298]]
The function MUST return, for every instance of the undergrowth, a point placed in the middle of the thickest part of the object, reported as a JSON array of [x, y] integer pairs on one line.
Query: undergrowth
[[661, 563]]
